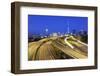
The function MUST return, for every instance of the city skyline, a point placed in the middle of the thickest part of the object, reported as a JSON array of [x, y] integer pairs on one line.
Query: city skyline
[[45, 24]]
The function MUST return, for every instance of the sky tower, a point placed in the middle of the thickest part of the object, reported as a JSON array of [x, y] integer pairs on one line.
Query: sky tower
[[68, 27], [46, 30]]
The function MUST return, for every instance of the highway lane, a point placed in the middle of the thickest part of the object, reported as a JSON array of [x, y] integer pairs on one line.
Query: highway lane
[[32, 49], [69, 51], [56, 48], [46, 52], [77, 45]]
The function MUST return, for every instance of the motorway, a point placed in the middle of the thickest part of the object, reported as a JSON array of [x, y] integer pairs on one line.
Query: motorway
[[57, 48]]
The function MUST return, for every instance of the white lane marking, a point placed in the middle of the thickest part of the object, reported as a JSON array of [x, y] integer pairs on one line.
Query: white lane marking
[[68, 43], [79, 41], [82, 43]]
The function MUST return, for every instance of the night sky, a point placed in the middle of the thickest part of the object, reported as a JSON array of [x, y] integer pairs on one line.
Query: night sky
[[38, 23]]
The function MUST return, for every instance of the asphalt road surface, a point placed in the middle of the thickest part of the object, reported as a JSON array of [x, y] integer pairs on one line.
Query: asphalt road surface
[[57, 48]]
